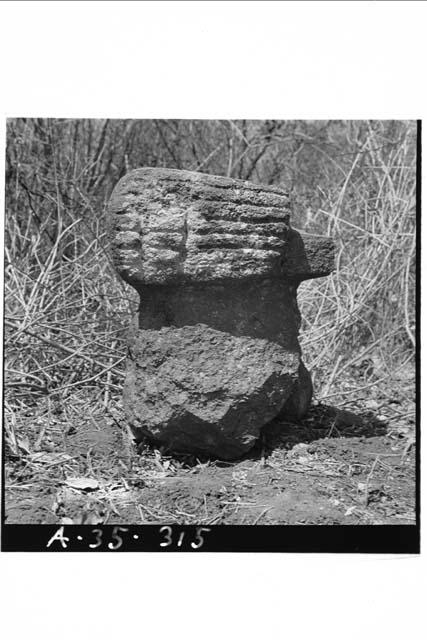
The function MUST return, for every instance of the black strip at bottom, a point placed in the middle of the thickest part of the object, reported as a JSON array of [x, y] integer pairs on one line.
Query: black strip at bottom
[[395, 539]]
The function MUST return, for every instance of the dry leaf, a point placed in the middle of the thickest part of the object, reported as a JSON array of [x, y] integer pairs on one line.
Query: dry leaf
[[24, 444], [44, 457], [372, 404], [90, 518], [83, 484]]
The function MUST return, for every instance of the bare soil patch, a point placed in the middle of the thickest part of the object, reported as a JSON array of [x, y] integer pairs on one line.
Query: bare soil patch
[[334, 467]]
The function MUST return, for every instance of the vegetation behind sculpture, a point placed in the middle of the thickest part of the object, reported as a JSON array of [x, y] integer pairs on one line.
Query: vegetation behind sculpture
[[66, 311]]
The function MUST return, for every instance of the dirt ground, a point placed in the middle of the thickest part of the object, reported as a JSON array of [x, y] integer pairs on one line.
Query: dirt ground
[[334, 467]]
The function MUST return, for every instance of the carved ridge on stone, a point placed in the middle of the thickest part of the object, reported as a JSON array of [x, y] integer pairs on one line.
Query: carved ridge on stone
[[172, 226]]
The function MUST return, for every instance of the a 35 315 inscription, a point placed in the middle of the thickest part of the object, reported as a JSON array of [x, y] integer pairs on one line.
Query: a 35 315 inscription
[[128, 538]]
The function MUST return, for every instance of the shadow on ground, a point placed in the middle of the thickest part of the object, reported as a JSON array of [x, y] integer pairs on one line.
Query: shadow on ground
[[322, 421]]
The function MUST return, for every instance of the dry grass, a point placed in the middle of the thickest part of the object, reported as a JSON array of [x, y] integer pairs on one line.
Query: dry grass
[[360, 322], [66, 312]]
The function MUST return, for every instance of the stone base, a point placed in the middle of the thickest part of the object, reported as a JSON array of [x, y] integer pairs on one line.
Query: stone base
[[197, 389]]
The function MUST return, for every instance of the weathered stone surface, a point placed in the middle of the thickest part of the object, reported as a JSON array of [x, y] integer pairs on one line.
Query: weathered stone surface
[[298, 402], [307, 256], [175, 227], [202, 390], [217, 266]]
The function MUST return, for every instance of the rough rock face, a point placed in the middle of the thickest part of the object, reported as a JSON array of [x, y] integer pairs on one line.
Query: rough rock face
[[217, 266], [203, 390]]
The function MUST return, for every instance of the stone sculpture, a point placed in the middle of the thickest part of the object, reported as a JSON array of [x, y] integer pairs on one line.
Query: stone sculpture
[[215, 355]]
